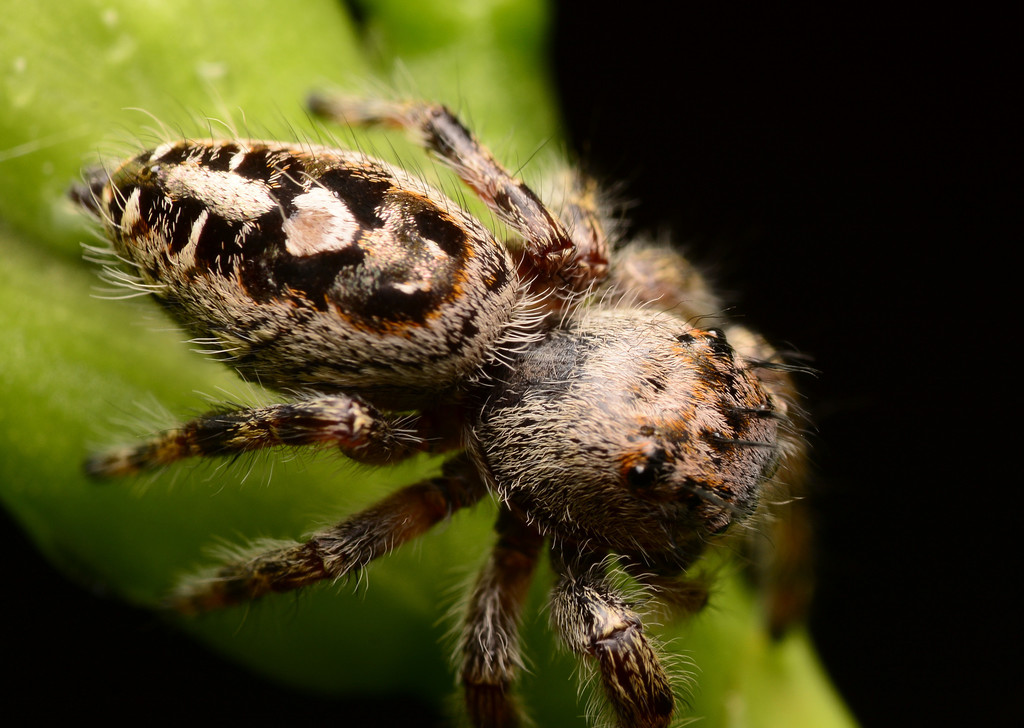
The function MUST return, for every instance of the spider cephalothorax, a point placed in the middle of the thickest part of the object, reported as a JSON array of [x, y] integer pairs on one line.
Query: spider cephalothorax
[[570, 375]]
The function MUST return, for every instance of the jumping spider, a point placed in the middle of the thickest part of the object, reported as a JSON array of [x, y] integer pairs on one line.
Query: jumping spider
[[570, 377]]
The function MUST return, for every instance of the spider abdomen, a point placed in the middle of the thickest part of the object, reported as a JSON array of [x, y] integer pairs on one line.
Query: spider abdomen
[[303, 265]]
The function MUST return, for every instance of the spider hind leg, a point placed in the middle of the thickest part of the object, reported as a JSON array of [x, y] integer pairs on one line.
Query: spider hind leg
[[489, 645], [567, 251], [340, 550]]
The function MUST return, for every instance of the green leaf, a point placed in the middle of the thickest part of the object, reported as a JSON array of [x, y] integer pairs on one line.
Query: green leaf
[[86, 79]]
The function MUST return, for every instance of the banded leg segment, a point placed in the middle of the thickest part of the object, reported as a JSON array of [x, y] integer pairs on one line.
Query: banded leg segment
[[577, 199], [340, 550], [597, 622], [358, 429], [491, 660], [551, 250]]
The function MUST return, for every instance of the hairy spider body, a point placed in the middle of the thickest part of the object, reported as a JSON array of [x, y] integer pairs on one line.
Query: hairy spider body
[[662, 402], [313, 267], [572, 376]]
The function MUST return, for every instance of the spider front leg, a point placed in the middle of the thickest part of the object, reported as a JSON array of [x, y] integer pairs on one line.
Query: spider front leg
[[340, 550], [670, 583], [489, 646], [596, 622], [661, 276], [358, 429], [571, 250]]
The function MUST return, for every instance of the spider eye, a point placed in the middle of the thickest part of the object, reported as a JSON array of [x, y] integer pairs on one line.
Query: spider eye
[[643, 475]]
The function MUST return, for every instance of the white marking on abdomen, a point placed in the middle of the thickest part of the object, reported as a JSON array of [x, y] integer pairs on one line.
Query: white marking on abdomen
[[187, 256], [132, 213], [228, 195], [321, 223]]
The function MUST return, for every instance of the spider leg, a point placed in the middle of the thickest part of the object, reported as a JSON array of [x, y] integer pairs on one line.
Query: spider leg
[[596, 621], [340, 550], [576, 259], [576, 197], [670, 582], [358, 429], [489, 646], [660, 275]]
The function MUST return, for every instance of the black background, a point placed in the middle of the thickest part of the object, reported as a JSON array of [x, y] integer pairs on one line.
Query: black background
[[848, 180]]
